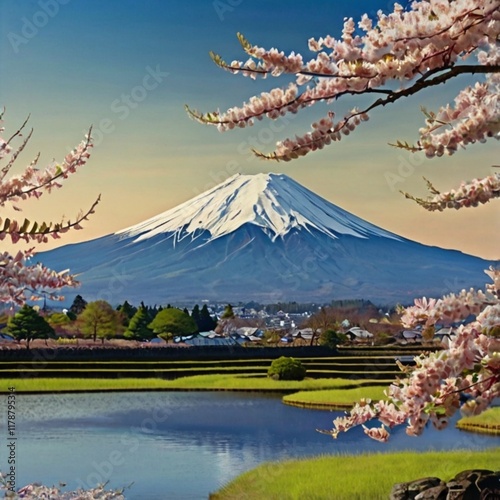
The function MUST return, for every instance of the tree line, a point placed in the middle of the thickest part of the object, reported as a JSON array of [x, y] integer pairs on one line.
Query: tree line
[[99, 320]]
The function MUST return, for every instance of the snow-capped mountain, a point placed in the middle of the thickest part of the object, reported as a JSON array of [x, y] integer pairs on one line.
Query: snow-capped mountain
[[273, 202], [261, 237]]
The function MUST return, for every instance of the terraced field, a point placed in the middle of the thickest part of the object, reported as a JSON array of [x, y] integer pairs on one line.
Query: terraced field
[[370, 365]]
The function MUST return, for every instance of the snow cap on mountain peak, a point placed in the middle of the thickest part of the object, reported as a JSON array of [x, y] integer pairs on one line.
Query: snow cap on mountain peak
[[274, 202]]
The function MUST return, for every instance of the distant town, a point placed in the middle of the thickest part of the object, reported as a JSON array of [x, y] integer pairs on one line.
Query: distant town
[[357, 322]]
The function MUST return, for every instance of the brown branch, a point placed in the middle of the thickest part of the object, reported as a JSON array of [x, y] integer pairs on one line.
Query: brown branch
[[492, 379], [422, 83], [480, 18], [15, 154], [18, 132], [52, 179], [47, 229]]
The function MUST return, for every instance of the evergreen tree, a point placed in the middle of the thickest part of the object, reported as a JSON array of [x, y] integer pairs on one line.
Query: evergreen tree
[[78, 305], [138, 327], [153, 311], [206, 322], [195, 314], [127, 311], [29, 325]]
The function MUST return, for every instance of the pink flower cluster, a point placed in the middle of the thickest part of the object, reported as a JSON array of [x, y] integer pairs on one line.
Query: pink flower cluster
[[32, 182], [467, 367], [431, 37], [17, 278], [451, 308], [324, 132], [475, 117], [469, 194], [37, 491]]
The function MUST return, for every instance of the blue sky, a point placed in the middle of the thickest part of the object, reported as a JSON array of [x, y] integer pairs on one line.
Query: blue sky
[[127, 67]]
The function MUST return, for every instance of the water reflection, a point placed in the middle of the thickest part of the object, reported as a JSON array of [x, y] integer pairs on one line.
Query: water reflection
[[180, 445]]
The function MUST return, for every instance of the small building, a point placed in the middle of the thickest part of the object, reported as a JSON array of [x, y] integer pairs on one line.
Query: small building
[[409, 337], [304, 336], [357, 334]]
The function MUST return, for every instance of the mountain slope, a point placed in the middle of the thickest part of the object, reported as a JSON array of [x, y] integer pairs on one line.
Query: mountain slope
[[264, 238], [274, 202]]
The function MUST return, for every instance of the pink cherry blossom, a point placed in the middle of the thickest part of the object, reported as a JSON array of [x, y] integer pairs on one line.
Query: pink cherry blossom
[[18, 279], [468, 365], [415, 48]]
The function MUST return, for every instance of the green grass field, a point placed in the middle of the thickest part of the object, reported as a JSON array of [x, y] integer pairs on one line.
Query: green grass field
[[350, 477], [334, 399], [487, 422], [196, 382]]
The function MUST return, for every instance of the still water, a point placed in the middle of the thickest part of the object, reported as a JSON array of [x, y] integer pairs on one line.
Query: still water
[[179, 445]]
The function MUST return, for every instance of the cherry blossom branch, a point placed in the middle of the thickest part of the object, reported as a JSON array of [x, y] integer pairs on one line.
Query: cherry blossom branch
[[274, 63], [451, 308], [40, 231], [5, 170], [425, 42], [18, 131], [469, 365], [469, 194], [18, 281], [31, 181], [291, 149]]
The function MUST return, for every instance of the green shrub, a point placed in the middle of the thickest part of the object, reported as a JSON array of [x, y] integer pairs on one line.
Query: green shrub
[[332, 339], [286, 369]]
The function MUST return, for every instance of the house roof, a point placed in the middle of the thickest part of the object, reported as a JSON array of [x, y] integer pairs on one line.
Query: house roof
[[217, 341], [210, 334], [359, 333], [305, 333], [411, 334], [246, 331]]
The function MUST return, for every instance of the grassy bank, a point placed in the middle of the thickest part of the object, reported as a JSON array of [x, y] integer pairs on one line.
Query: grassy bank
[[327, 399], [486, 423], [197, 382], [351, 477]]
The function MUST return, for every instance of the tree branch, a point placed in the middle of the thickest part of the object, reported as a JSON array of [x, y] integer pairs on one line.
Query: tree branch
[[425, 81], [40, 231]]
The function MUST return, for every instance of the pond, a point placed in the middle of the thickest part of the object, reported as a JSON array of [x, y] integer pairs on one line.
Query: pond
[[180, 445]]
